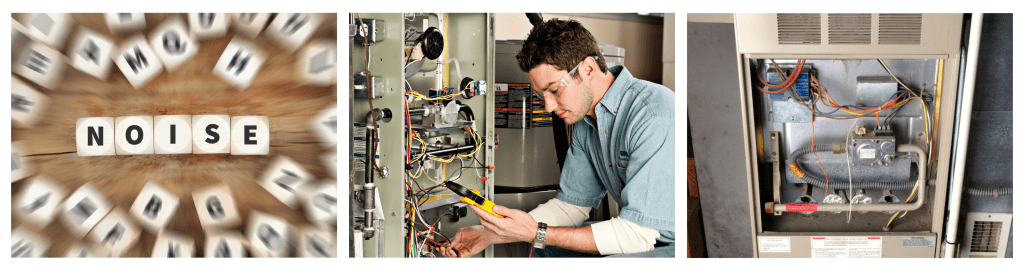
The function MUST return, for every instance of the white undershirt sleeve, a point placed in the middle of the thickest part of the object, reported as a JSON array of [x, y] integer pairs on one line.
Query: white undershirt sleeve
[[615, 236], [620, 236], [557, 213]]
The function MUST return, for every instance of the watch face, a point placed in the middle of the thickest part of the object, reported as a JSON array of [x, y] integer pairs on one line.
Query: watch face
[[542, 229]]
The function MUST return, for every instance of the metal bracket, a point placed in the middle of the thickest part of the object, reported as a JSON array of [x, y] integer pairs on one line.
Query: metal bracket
[[777, 174]]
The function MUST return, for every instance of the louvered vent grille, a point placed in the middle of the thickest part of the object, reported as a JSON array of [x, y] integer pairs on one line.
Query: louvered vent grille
[[985, 236], [899, 29], [799, 28], [848, 28]]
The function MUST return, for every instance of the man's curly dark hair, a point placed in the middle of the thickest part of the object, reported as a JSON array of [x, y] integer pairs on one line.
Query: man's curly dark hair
[[559, 43]]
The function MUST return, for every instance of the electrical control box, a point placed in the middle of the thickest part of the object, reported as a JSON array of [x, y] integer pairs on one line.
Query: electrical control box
[[421, 107]]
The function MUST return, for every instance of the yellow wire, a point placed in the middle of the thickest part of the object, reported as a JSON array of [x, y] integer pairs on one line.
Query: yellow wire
[[449, 160], [927, 128], [412, 229], [445, 97], [478, 145], [908, 201], [423, 147]]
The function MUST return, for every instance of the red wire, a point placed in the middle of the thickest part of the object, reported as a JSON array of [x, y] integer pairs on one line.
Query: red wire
[[408, 150], [531, 253]]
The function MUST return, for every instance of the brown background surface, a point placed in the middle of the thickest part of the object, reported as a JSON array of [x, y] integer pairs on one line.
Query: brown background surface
[[191, 89]]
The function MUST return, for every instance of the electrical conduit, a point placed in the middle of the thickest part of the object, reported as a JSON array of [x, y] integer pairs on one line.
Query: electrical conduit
[[922, 172]]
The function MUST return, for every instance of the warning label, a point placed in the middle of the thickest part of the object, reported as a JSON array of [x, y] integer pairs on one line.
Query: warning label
[[924, 241], [846, 247], [773, 244]]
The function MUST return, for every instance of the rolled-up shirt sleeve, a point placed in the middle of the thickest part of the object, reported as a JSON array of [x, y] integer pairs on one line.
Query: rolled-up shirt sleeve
[[649, 196], [579, 182]]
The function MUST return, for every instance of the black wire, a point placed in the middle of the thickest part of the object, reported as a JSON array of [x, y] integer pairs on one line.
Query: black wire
[[892, 114], [461, 169], [478, 162], [893, 75], [439, 219], [429, 189], [417, 183]]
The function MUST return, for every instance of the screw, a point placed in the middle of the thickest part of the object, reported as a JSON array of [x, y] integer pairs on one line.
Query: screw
[[392, 213], [774, 153], [920, 134]]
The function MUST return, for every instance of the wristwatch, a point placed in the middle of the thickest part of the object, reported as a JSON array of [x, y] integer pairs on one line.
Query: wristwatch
[[542, 230]]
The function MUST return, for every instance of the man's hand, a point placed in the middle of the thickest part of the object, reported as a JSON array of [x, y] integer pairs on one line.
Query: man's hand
[[515, 226], [469, 241]]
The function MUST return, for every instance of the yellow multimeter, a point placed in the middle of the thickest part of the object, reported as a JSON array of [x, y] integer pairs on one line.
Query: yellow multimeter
[[472, 197]]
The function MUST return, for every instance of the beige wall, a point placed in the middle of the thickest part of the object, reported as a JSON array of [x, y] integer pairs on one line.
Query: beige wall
[[668, 55], [642, 41]]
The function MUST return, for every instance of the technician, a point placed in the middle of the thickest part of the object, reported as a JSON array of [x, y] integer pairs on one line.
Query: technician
[[626, 147]]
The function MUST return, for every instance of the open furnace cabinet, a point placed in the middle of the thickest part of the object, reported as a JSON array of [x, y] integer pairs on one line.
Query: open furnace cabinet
[[435, 115], [828, 84]]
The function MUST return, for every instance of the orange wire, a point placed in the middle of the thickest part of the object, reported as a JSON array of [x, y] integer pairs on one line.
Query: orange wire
[[822, 89], [877, 120], [790, 80], [834, 104]]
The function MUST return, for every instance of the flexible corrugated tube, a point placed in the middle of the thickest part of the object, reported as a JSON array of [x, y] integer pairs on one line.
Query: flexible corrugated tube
[[815, 181], [999, 192]]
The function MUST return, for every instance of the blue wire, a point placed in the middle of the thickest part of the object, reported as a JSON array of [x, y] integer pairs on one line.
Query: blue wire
[[439, 95], [823, 113], [861, 108]]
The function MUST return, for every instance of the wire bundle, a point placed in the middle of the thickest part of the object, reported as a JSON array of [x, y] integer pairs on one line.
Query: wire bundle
[[421, 242], [896, 102], [820, 93]]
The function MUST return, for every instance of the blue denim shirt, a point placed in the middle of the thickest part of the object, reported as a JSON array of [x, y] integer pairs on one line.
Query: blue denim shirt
[[629, 151]]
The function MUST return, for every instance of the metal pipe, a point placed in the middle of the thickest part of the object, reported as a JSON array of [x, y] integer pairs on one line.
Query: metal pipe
[[417, 111], [449, 151], [771, 207], [368, 207], [371, 143], [960, 162], [426, 110], [368, 186]]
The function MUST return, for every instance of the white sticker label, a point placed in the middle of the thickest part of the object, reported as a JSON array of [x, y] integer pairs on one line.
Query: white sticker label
[[773, 244], [926, 241], [867, 154], [846, 247]]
